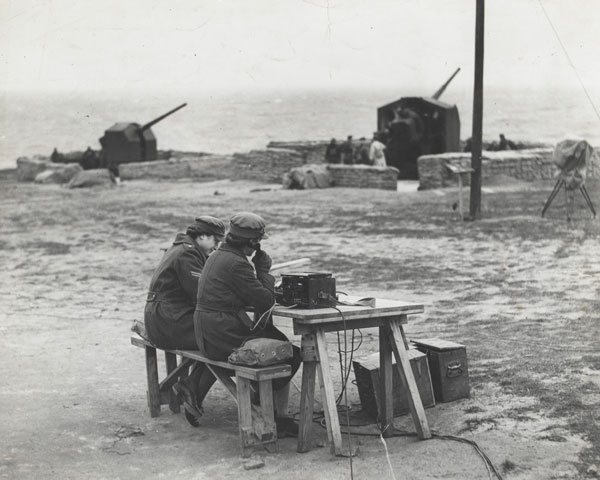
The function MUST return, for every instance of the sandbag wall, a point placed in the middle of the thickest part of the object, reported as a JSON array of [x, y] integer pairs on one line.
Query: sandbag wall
[[204, 167], [364, 176], [311, 151], [528, 165], [268, 165]]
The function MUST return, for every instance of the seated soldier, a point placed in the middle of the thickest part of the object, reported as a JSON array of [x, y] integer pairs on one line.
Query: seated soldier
[[227, 287], [169, 311]]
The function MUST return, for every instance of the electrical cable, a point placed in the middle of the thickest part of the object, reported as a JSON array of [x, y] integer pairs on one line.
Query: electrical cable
[[387, 455], [346, 391], [268, 313], [320, 420], [354, 349], [345, 374], [345, 369], [489, 464]]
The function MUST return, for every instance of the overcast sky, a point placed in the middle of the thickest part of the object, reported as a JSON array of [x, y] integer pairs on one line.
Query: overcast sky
[[250, 44]]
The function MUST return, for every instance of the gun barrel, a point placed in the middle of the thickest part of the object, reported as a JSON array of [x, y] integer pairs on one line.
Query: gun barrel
[[158, 119], [440, 90]]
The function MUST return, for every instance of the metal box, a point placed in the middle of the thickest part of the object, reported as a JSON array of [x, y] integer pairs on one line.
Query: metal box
[[366, 372], [448, 366], [308, 290]]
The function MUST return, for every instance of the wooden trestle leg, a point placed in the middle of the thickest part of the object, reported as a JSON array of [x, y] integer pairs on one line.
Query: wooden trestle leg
[[397, 341]]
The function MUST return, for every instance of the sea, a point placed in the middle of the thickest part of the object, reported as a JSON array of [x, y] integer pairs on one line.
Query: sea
[[238, 121]]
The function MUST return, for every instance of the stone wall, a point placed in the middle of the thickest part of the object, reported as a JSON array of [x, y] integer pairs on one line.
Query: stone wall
[[205, 167], [311, 151], [268, 165], [364, 176], [314, 151], [29, 168], [262, 165], [40, 169], [529, 165]]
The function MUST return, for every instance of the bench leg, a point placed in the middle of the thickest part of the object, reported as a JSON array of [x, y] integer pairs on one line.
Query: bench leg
[[244, 415], [256, 423], [152, 378], [265, 388], [171, 363]]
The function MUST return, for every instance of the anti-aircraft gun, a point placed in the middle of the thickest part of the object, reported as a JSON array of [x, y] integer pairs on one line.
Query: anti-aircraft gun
[[414, 126], [130, 142]]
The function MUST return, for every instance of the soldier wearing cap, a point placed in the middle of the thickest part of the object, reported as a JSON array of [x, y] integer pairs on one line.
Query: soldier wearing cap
[[227, 287], [171, 301]]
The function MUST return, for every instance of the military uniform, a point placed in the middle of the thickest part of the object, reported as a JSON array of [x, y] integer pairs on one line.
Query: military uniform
[[169, 311], [227, 287]]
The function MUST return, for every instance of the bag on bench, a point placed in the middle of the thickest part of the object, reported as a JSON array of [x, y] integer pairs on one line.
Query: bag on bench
[[261, 352]]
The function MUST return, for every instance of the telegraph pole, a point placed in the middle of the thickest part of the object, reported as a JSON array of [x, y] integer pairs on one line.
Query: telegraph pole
[[476, 137]]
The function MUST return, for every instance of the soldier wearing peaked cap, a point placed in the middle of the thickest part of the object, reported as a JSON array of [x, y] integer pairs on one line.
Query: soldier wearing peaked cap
[[227, 287], [169, 311]]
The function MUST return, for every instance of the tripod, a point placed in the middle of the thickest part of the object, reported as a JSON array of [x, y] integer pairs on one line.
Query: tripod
[[561, 182]]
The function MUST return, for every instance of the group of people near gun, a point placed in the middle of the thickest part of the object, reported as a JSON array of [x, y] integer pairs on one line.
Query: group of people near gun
[[350, 153], [198, 299], [397, 145]]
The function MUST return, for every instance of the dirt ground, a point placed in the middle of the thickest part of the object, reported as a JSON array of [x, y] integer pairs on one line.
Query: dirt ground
[[521, 292]]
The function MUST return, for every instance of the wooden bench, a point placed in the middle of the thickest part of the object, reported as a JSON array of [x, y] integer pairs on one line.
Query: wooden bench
[[256, 422]]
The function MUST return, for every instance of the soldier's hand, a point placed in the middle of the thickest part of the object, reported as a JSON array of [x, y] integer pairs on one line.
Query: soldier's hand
[[262, 261]]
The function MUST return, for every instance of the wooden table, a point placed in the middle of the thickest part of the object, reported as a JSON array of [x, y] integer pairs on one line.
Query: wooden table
[[312, 324]]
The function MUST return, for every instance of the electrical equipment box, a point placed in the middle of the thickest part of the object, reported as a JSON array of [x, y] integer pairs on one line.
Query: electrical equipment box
[[448, 366], [366, 372], [307, 290]]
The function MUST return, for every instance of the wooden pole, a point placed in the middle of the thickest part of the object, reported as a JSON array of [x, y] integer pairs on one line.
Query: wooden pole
[[476, 138]]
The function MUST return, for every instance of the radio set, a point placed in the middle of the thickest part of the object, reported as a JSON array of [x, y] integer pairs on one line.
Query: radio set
[[306, 290]]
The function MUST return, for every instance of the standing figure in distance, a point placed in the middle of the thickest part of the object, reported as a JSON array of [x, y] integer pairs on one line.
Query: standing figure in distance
[[347, 151], [377, 151], [332, 153]]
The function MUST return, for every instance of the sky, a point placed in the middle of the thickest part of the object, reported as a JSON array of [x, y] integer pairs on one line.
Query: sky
[[81, 45]]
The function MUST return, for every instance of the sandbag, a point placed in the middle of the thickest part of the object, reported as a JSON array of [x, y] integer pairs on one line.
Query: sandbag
[[261, 352], [29, 168], [307, 176], [90, 178], [58, 173]]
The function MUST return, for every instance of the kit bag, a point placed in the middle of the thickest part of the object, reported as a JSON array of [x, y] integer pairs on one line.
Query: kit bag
[[261, 352]]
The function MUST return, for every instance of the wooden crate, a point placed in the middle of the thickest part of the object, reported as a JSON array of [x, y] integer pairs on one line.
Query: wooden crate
[[448, 366], [366, 372]]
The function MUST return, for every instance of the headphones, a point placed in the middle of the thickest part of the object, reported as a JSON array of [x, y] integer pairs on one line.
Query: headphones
[[254, 243]]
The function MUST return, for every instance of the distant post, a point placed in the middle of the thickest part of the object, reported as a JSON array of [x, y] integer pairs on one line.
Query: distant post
[[476, 138]]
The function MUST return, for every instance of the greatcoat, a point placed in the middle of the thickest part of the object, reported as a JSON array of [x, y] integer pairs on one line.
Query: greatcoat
[[228, 286], [169, 311]]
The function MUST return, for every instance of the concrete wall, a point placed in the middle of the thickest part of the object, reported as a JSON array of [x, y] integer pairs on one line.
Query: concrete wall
[[529, 165], [364, 176]]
